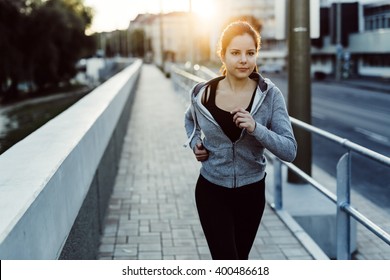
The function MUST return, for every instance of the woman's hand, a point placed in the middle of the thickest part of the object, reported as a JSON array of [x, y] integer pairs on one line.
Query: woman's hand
[[243, 119], [200, 152]]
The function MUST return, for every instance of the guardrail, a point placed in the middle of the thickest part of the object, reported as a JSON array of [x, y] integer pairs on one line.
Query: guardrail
[[344, 208], [55, 183], [185, 81]]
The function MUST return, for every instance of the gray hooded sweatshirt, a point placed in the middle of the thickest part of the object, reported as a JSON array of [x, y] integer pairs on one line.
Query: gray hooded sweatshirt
[[235, 164]]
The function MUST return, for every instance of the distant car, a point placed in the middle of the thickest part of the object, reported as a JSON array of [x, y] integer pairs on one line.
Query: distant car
[[270, 68], [319, 75]]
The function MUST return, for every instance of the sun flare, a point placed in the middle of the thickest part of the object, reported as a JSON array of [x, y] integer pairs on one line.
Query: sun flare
[[204, 9]]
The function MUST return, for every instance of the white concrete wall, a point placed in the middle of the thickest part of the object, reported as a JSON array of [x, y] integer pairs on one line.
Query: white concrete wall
[[377, 41], [383, 72], [45, 177]]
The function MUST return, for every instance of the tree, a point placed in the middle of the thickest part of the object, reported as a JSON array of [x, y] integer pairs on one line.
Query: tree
[[59, 40], [41, 41], [137, 39], [10, 49]]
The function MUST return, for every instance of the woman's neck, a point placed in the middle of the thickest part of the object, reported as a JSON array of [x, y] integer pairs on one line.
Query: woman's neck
[[237, 86]]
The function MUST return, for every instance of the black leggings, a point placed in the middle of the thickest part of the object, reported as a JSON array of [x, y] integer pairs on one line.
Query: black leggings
[[229, 217]]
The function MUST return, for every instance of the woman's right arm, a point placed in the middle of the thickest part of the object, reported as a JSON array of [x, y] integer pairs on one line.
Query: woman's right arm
[[191, 127]]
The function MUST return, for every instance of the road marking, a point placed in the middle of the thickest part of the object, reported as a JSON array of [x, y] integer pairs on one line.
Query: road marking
[[374, 136]]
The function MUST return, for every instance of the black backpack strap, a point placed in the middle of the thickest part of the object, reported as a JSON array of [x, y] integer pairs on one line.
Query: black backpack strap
[[198, 86]]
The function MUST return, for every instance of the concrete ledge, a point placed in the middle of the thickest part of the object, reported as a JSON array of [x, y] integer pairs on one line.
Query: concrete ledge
[[45, 178], [302, 236], [84, 239]]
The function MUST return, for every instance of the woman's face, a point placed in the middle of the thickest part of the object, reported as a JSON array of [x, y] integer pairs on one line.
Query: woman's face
[[240, 56]]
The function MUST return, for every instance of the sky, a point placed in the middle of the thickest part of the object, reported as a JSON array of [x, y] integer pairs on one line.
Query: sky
[[116, 14]]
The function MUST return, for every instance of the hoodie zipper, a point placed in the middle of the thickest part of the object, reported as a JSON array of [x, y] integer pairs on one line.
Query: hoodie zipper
[[211, 119], [234, 165]]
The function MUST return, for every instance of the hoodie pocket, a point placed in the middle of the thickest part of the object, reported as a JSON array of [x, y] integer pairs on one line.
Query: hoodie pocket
[[219, 163]]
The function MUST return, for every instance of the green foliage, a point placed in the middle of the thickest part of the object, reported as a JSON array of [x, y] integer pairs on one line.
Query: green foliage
[[137, 37], [41, 41], [10, 28]]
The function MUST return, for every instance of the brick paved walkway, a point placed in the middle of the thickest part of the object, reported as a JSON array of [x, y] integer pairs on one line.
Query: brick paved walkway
[[152, 213]]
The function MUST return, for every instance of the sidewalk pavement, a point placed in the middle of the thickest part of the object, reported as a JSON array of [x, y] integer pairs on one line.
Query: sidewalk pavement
[[152, 212]]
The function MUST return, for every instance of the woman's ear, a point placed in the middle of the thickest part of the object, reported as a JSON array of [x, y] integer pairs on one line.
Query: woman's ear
[[222, 58]]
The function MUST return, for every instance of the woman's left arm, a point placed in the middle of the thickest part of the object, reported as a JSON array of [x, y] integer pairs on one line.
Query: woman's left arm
[[279, 137]]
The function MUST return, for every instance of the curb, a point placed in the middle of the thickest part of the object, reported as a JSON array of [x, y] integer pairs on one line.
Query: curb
[[306, 241]]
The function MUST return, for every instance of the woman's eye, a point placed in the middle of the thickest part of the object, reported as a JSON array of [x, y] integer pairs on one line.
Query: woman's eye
[[235, 53]]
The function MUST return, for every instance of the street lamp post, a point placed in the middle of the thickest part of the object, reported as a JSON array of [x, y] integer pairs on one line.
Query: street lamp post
[[299, 82], [162, 36], [191, 34], [339, 47]]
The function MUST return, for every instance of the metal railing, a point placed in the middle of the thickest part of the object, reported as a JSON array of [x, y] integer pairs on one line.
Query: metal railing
[[185, 81], [343, 178]]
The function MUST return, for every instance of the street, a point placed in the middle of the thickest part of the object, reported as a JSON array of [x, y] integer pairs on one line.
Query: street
[[359, 115]]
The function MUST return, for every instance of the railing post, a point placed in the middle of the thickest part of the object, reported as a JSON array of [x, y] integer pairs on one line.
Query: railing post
[[278, 194], [343, 198]]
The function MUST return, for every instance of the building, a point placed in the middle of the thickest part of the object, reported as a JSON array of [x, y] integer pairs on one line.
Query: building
[[359, 46], [167, 36], [191, 38]]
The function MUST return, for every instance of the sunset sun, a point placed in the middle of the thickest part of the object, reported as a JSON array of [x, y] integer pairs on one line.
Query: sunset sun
[[204, 9]]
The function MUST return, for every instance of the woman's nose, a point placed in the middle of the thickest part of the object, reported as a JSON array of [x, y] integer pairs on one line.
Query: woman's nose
[[243, 58]]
